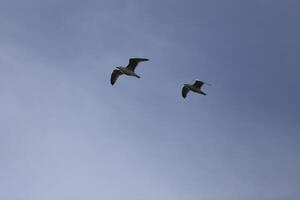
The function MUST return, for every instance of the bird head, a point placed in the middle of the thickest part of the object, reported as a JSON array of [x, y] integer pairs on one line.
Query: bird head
[[119, 67]]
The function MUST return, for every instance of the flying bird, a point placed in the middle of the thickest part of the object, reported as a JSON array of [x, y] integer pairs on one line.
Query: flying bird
[[129, 70], [196, 87]]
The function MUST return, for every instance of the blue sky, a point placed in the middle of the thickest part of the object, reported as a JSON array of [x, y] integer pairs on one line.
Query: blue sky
[[66, 133]]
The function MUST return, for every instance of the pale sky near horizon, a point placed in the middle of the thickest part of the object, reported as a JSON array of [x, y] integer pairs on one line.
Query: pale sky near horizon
[[67, 134]]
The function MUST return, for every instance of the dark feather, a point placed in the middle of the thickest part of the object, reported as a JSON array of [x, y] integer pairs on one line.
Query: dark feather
[[133, 62], [198, 84], [185, 91], [114, 76]]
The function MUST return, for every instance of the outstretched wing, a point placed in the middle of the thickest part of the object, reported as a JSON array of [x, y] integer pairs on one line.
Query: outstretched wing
[[133, 62], [185, 91], [198, 84], [114, 76]]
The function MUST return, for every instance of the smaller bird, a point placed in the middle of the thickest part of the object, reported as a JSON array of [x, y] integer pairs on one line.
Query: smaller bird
[[196, 87], [129, 70]]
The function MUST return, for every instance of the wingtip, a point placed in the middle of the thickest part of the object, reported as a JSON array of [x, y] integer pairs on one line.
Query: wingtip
[[145, 59], [140, 58]]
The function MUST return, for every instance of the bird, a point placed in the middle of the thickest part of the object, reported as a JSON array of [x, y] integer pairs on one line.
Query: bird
[[195, 87], [129, 70]]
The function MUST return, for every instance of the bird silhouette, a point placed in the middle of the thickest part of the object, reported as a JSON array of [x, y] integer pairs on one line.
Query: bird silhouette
[[196, 87], [129, 70]]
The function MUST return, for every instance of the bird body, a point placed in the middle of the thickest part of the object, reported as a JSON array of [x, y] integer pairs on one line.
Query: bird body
[[196, 87], [129, 70]]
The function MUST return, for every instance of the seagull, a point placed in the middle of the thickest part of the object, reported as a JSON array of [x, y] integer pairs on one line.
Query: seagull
[[196, 87], [129, 70]]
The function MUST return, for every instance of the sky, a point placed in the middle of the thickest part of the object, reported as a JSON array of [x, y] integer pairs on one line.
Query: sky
[[67, 134]]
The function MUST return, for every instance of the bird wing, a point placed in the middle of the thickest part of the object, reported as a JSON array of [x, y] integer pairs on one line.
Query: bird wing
[[198, 84], [185, 91], [133, 62], [114, 76]]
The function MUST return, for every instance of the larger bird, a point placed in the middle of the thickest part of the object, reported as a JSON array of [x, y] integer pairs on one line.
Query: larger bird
[[196, 87], [129, 70]]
